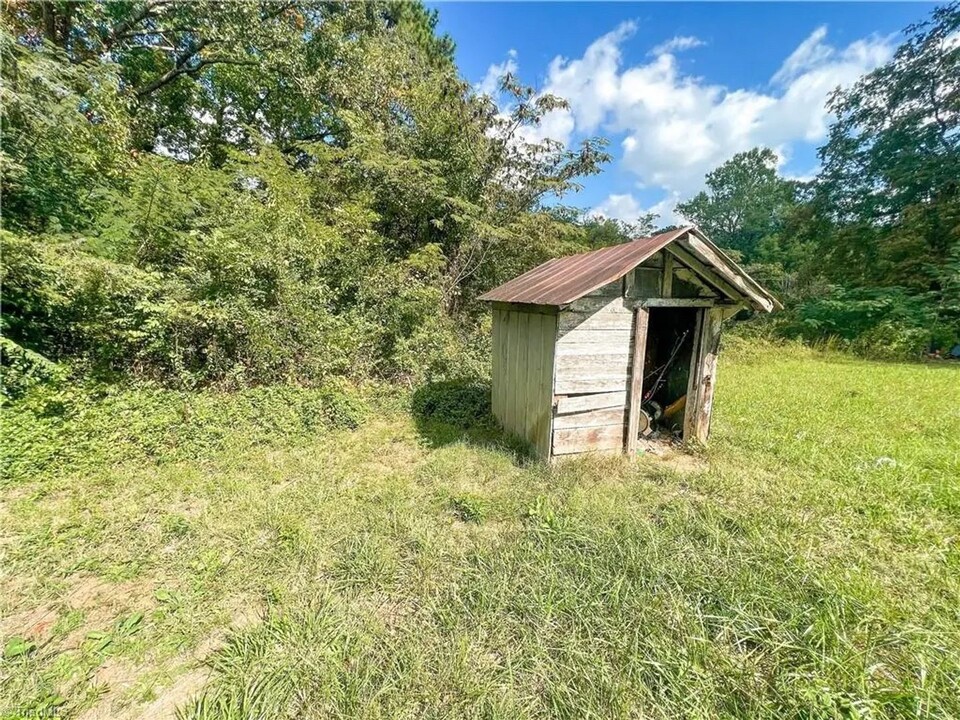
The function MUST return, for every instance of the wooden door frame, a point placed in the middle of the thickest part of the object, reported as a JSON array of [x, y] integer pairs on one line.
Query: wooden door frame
[[693, 380], [703, 371], [641, 323], [700, 385]]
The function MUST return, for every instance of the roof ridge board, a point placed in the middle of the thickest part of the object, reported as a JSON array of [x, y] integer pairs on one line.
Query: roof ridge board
[[736, 268]]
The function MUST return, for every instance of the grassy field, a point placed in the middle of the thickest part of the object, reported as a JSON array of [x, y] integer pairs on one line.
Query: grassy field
[[163, 553]]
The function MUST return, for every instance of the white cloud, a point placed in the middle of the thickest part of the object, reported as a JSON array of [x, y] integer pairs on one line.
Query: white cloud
[[676, 127], [555, 125], [490, 85], [803, 177], [809, 53], [627, 208], [618, 207], [592, 83], [677, 44]]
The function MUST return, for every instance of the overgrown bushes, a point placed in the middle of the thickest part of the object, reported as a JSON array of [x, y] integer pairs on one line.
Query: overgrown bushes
[[462, 403], [53, 430], [221, 227]]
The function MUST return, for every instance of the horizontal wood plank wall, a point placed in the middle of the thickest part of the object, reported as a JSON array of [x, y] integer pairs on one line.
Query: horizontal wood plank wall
[[593, 357], [522, 371], [582, 440]]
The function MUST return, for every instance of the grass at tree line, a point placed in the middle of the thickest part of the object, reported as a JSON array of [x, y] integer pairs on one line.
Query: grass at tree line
[[232, 557]]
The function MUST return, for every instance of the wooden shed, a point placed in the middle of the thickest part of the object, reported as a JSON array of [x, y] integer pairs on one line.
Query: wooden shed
[[593, 350]]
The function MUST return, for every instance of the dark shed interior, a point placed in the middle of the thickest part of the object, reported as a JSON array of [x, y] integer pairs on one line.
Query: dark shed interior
[[666, 368]]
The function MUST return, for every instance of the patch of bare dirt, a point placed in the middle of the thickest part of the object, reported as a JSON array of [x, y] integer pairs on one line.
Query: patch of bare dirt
[[670, 454], [119, 677], [186, 685], [244, 612], [99, 600], [102, 602], [34, 623], [184, 688]]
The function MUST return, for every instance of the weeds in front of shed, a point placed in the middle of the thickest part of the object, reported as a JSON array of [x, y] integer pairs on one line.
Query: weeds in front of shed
[[372, 573]]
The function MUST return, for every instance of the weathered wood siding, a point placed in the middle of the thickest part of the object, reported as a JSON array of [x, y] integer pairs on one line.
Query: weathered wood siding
[[703, 375], [523, 355], [593, 359], [563, 379]]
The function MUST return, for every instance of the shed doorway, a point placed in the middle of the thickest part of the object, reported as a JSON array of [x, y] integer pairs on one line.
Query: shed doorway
[[670, 344]]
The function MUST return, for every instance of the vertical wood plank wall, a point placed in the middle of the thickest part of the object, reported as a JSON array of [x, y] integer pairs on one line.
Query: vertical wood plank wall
[[593, 364], [523, 356]]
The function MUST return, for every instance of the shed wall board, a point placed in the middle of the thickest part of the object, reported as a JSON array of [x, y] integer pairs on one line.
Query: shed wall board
[[589, 418], [522, 370], [592, 439], [595, 401], [593, 359]]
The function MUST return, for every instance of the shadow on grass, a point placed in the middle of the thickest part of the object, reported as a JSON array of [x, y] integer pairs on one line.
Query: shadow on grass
[[458, 411]]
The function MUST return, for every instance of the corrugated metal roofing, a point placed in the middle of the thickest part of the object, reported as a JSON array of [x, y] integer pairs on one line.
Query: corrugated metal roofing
[[562, 280]]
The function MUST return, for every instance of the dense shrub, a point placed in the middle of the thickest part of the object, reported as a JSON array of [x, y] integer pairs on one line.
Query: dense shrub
[[463, 403], [53, 430], [886, 323], [23, 370], [322, 199]]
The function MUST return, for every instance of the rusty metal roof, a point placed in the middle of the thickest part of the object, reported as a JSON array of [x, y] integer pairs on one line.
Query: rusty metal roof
[[562, 280]]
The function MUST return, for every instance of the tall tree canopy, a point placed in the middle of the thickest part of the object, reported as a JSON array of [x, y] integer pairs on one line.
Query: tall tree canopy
[[891, 166], [254, 190], [745, 201], [887, 200], [870, 249]]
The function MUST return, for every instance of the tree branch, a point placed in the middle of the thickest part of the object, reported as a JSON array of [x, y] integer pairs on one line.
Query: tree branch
[[121, 28], [179, 68]]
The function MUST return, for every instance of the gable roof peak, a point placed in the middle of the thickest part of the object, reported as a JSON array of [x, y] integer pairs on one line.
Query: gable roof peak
[[560, 281]]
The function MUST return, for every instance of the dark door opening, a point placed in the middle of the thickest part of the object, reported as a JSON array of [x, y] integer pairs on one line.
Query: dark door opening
[[666, 368]]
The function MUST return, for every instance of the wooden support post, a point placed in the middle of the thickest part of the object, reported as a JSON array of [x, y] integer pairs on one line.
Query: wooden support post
[[641, 321], [693, 386], [666, 282], [703, 371], [713, 320]]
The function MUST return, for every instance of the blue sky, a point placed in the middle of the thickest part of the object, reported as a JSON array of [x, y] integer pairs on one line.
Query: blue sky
[[678, 88]]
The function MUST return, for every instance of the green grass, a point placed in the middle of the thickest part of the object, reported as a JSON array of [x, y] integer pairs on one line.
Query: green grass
[[807, 567]]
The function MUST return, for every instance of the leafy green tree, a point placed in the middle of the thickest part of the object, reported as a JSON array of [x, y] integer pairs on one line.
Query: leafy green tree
[[602, 231], [64, 137], [746, 202], [891, 166], [888, 197], [257, 191]]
